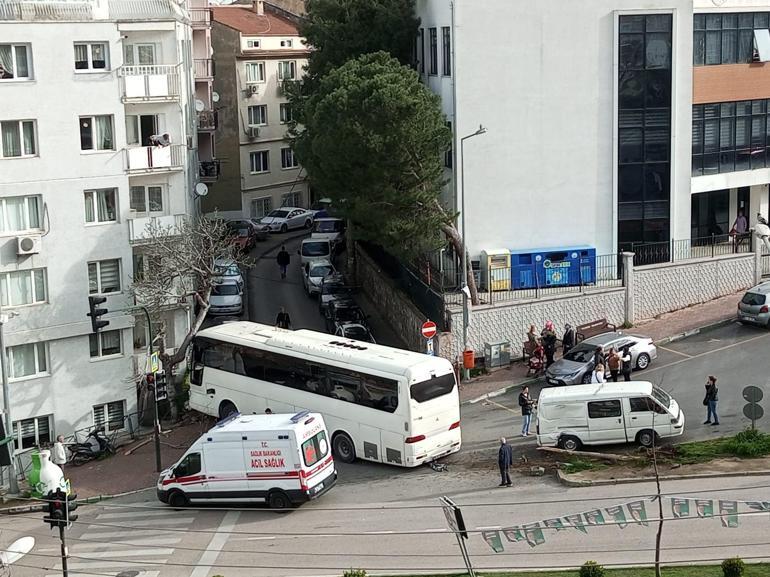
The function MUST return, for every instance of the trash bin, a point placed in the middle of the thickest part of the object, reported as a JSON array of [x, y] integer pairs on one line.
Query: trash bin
[[469, 359], [497, 354]]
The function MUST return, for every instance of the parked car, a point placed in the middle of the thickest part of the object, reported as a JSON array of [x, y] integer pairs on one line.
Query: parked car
[[354, 331], [331, 229], [287, 218], [226, 298], [244, 234], [343, 311], [227, 269], [333, 287], [313, 249], [576, 366], [261, 231], [753, 308], [313, 273]]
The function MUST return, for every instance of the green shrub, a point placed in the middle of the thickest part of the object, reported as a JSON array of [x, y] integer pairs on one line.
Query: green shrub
[[354, 573], [733, 567], [591, 569], [749, 443]]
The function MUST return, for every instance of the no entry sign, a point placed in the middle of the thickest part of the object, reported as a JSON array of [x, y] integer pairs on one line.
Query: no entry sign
[[428, 329]]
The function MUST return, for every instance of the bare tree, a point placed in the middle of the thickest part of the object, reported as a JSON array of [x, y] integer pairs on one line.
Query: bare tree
[[180, 270]]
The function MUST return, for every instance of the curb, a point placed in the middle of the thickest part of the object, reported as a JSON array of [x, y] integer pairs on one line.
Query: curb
[[38, 507], [692, 332], [564, 479]]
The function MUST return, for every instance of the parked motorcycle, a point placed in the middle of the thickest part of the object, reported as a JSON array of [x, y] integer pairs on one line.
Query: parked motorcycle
[[95, 446]]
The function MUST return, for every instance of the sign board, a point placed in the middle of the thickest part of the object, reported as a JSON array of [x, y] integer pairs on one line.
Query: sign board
[[753, 410], [454, 517], [154, 362], [752, 394], [429, 348], [428, 329]]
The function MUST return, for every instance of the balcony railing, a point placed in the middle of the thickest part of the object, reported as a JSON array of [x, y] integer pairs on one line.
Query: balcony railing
[[208, 170], [203, 67], [208, 120], [156, 82], [137, 227], [155, 158], [200, 17]]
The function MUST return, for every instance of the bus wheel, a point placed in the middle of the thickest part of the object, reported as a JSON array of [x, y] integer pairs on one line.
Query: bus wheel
[[278, 500], [178, 500], [226, 409], [343, 448]]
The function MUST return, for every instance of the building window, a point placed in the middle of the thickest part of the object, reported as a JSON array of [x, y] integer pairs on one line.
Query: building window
[[34, 432], [104, 276], [433, 52], [96, 133], [23, 287], [139, 54], [255, 72], [112, 416], [726, 38], [287, 43], [20, 213], [91, 56], [448, 157], [17, 138], [446, 51], [146, 199], [140, 128], [422, 50], [261, 206], [286, 113], [288, 158], [105, 344], [26, 361], [258, 115], [15, 62], [252, 44], [287, 70], [260, 161], [644, 134], [100, 205], [291, 199]]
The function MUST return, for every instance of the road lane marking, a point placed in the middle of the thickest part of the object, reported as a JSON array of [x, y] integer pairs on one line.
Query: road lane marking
[[218, 541], [490, 402], [673, 351]]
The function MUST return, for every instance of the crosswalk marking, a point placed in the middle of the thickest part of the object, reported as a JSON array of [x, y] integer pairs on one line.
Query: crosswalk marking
[[74, 565], [141, 514], [138, 542], [150, 523], [121, 553]]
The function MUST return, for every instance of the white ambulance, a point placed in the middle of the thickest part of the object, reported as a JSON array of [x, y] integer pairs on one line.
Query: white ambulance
[[281, 460]]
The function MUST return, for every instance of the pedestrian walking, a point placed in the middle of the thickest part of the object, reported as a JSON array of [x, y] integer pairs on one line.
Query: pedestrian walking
[[625, 367], [549, 339], [613, 363], [598, 375], [283, 320], [527, 404], [504, 461], [598, 356], [710, 401], [568, 340], [59, 454], [283, 259]]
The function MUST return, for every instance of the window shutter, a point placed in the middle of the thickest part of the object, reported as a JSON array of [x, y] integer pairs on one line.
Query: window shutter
[[110, 275]]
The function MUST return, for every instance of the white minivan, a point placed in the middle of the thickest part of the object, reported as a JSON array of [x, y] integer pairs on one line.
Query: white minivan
[[313, 249], [281, 460], [606, 413]]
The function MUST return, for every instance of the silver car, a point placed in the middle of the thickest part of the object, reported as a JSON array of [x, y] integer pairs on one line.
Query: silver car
[[578, 364], [313, 273], [753, 308]]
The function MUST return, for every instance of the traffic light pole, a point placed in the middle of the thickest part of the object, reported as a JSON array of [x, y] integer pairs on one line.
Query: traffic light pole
[[156, 424], [64, 554], [13, 481]]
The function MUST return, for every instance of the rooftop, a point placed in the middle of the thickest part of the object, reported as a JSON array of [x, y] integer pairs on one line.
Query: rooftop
[[246, 21], [89, 10]]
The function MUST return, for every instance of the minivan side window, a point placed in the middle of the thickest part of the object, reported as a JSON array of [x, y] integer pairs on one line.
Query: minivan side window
[[190, 465], [603, 409], [645, 405]]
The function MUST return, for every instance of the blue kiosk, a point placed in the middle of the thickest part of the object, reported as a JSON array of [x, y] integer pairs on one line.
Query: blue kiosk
[[553, 267]]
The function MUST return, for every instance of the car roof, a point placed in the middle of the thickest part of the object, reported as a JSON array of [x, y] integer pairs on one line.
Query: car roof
[[219, 280], [345, 303], [763, 288], [595, 391], [289, 208], [320, 262], [604, 338]]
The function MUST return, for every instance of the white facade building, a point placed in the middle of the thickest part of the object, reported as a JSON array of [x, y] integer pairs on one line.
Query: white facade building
[[84, 87]]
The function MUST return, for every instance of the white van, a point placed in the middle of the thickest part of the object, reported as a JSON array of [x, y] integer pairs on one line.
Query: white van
[[331, 229], [313, 249], [281, 460], [605, 413]]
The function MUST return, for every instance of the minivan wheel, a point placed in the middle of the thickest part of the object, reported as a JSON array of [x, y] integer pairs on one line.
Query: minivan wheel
[[643, 361], [178, 500], [646, 438], [226, 409], [278, 500], [569, 443], [343, 448]]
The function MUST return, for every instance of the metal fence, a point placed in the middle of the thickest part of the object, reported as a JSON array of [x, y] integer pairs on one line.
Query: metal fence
[[689, 248]]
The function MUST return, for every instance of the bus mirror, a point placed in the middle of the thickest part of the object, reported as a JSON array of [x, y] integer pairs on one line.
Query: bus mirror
[[198, 367]]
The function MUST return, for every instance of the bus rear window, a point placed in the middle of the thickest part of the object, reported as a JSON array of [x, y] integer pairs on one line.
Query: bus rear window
[[315, 449], [433, 388]]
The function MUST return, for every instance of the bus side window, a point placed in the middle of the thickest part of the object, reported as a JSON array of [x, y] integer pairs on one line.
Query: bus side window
[[196, 370]]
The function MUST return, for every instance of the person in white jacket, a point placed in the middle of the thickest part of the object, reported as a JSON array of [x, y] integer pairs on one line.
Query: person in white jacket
[[598, 374], [59, 454]]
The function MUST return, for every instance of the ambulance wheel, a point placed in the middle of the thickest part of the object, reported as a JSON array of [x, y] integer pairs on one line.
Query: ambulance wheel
[[646, 437], [178, 500], [226, 409], [278, 500], [569, 443], [343, 448]]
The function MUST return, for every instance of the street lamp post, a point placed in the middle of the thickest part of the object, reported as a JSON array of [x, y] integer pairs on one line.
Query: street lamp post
[[13, 481], [466, 316]]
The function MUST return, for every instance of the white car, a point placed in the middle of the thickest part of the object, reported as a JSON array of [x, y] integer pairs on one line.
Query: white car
[[287, 218], [313, 274], [226, 298], [355, 331], [225, 269]]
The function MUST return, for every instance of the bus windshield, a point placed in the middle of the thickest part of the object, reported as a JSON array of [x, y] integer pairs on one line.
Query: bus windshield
[[432, 388]]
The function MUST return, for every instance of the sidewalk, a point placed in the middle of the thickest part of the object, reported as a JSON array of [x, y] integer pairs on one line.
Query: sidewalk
[[663, 329]]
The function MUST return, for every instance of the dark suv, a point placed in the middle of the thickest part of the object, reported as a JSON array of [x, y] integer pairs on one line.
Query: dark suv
[[343, 311]]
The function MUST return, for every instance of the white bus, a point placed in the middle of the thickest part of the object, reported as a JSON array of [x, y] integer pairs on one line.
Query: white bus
[[379, 403]]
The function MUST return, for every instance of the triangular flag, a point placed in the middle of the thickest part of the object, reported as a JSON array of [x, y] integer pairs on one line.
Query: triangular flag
[[704, 507], [638, 512], [728, 511], [493, 540], [680, 507], [618, 515], [513, 534], [576, 522], [554, 524], [534, 534], [594, 517]]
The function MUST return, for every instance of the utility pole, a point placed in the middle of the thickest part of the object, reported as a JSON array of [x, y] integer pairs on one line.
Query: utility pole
[[13, 481], [153, 371], [64, 553]]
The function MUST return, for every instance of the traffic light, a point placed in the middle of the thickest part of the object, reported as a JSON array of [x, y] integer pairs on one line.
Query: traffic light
[[161, 390], [96, 312], [57, 503], [71, 505]]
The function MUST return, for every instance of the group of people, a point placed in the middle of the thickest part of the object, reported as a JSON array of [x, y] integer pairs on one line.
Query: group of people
[[544, 344], [617, 361]]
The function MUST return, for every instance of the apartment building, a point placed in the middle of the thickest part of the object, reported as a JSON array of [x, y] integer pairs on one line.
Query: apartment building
[[98, 137], [613, 124], [257, 49], [206, 99]]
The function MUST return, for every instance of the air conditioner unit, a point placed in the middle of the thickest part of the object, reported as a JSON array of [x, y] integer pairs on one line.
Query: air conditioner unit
[[252, 131], [253, 89], [29, 244]]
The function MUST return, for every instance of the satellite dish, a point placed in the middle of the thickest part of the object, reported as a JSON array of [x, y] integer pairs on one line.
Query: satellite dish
[[215, 96], [16, 551], [199, 105], [201, 189]]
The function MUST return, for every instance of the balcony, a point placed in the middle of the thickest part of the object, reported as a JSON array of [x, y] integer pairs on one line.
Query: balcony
[[200, 17], [208, 120], [208, 170], [137, 227], [203, 68], [156, 83], [146, 159]]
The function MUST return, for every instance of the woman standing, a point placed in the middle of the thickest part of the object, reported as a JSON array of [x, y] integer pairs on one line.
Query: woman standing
[[712, 396], [598, 375], [614, 363]]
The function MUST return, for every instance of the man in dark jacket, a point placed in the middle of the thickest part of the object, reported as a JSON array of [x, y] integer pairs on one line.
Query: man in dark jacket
[[625, 363], [283, 259], [568, 340], [283, 321], [504, 461], [598, 356]]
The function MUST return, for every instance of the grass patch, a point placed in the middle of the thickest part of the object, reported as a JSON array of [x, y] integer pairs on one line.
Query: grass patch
[[748, 444], [757, 570], [577, 464]]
